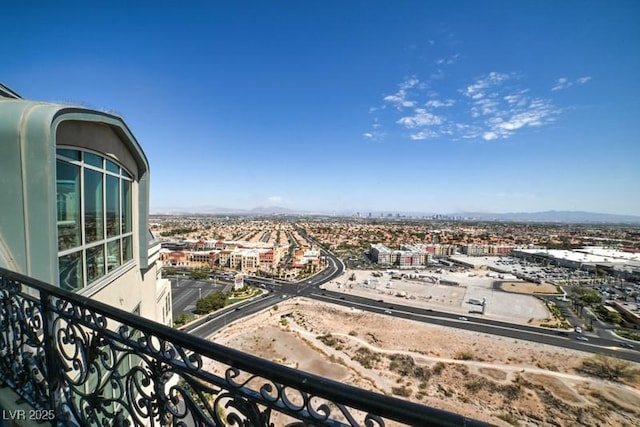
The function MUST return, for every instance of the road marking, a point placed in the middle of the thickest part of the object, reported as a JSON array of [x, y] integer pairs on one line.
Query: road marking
[[427, 316], [230, 310]]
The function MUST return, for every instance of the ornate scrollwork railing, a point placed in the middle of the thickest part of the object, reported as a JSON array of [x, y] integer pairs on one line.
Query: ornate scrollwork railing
[[92, 364]]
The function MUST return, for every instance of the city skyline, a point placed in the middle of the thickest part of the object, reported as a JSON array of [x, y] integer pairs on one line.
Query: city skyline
[[411, 107]]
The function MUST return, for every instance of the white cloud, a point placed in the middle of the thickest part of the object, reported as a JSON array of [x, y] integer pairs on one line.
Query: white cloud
[[374, 135], [437, 103], [537, 113], [562, 83], [494, 106], [448, 60], [565, 83], [409, 83], [484, 107], [421, 118], [477, 89], [489, 136], [399, 99], [423, 134], [518, 99]]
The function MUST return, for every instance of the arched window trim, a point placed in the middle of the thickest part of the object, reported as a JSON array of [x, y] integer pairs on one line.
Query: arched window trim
[[104, 256]]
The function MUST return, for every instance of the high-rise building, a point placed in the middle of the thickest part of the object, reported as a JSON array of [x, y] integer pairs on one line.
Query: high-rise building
[[75, 204]]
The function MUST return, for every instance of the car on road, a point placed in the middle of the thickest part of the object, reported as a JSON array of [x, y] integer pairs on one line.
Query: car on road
[[578, 330], [582, 338], [563, 333], [388, 312], [342, 298], [462, 318], [626, 345], [380, 300]]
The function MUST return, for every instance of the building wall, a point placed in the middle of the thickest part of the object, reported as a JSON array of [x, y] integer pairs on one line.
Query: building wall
[[29, 135], [408, 256], [27, 222], [97, 137]]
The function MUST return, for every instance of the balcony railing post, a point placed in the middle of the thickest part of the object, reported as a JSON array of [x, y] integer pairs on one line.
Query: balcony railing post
[[82, 362], [48, 343]]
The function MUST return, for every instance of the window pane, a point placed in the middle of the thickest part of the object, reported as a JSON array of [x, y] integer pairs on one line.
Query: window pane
[[68, 204], [95, 263], [113, 255], [93, 210], [71, 271], [112, 167], [128, 249], [113, 206], [126, 206], [71, 154], [93, 160]]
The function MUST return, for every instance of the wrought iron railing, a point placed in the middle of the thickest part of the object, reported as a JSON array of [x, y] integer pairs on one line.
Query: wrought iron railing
[[91, 364]]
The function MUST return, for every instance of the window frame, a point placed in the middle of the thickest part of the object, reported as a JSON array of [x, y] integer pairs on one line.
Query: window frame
[[126, 259]]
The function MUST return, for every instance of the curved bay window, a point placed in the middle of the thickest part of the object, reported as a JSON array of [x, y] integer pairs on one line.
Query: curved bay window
[[95, 232]]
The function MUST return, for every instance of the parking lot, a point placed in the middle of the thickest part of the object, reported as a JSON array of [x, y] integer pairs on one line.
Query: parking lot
[[442, 289]]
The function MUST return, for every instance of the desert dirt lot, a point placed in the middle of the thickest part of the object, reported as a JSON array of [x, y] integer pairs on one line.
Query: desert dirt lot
[[451, 291], [495, 379]]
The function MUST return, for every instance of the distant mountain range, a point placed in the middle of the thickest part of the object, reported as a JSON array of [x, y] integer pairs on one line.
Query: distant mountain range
[[554, 216], [218, 210], [546, 216]]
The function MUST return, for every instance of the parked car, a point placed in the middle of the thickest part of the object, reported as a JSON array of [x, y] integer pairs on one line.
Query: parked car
[[578, 330]]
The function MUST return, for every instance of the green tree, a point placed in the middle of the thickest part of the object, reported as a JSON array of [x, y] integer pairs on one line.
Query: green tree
[[587, 296], [211, 302], [199, 274], [182, 319], [591, 298]]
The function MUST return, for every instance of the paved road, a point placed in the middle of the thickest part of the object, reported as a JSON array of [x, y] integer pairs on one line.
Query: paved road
[[185, 293], [279, 291], [481, 325]]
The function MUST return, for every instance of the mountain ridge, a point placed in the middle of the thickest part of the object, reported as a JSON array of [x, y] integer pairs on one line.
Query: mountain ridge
[[562, 216]]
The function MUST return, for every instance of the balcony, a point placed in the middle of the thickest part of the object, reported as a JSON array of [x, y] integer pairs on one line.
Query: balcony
[[82, 362]]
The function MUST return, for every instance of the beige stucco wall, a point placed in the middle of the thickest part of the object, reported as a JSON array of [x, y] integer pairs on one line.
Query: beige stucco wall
[[98, 137], [133, 287]]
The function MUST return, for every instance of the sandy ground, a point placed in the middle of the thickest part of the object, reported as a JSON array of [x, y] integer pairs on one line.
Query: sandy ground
[[450, 291], [495, 379], [529, 288]]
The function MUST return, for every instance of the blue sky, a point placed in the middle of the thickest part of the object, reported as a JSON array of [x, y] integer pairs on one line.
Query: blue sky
[[492, 106]]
